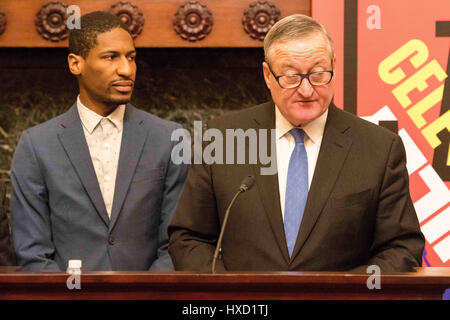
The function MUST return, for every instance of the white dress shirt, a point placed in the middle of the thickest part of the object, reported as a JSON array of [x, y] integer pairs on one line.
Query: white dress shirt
[[285, 144], [103, 137]]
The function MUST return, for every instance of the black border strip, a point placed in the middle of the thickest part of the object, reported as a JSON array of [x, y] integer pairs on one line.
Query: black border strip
[[442, 28], [441, 152], [350, 55]]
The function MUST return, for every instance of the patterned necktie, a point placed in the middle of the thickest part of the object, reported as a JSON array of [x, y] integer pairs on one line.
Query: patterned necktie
[[296, 189]]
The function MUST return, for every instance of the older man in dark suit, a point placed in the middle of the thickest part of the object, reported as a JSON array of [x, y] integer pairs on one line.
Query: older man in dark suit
[[340, 199]]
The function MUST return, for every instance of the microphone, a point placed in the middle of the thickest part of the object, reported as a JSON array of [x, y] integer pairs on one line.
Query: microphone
[[246, 184]]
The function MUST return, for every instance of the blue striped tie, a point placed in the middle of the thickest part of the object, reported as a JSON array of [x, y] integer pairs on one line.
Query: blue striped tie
[[296, 189]]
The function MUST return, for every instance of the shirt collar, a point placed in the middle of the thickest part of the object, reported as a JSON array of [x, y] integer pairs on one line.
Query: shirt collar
[[314, 130], [91, 119]]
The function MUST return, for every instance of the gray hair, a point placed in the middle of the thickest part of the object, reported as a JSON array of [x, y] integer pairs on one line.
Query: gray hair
[[296, 26]]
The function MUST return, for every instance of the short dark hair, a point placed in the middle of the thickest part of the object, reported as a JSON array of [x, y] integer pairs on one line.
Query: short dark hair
[[82, 40]]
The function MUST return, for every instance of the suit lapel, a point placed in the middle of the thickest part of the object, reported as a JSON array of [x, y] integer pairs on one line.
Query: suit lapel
[[74, 143], [333, 152], [268, 184], [133, 139]]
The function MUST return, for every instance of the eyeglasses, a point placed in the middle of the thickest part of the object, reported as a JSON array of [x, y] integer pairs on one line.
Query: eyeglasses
[[289, 81]]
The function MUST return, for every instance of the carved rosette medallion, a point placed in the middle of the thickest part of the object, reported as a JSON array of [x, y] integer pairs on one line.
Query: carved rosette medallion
[[258, 18], [193, 21], [51, 20], [2, 22], [131, 15]]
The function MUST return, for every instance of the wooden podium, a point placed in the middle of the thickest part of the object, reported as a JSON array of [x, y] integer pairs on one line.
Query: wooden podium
[[426, 283]]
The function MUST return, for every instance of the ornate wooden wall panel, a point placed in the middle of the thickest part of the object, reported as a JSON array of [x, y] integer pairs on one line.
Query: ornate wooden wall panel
[[160, 23]]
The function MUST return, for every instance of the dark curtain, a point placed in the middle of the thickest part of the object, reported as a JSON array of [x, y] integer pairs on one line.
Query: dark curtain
[[7, 257]]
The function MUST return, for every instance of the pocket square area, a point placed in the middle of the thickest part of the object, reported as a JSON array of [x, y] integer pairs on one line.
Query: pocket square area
[[352, 199], [149, 174]]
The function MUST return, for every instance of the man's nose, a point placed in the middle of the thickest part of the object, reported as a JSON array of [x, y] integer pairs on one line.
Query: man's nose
[[125, 67], [305, 88]]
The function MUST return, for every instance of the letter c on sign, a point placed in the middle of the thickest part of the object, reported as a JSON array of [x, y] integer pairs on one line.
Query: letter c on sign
[[385, 66]]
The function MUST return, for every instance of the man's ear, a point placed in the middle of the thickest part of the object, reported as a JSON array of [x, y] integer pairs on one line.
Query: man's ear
[[267, 73], [75, 63]]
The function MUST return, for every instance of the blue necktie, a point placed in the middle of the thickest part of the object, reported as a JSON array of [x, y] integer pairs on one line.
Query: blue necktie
[[296, 189]]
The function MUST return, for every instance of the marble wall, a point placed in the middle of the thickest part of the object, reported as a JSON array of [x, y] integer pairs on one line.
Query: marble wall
[[179, 84]]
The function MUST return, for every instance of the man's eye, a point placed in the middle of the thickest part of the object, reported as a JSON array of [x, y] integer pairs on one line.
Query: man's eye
[[132, 58], [110, 57]]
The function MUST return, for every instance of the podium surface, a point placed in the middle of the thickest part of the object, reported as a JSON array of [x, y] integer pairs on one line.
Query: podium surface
[[425, 283]]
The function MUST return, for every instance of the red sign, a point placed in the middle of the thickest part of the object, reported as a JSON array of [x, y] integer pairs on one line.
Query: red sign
[[393, 61]]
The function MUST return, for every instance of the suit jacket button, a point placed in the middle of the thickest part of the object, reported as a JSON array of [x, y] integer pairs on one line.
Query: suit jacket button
[[111, 240]]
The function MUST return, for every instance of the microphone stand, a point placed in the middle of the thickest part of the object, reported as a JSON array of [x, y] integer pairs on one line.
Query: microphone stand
[[244, 187]]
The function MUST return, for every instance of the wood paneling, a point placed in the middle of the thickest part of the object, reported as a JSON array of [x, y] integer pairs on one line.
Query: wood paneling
[[158, 29], [426, 283]]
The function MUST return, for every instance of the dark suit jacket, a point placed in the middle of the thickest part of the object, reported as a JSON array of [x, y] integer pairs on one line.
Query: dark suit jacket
[[57, 208], [359, 211]]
